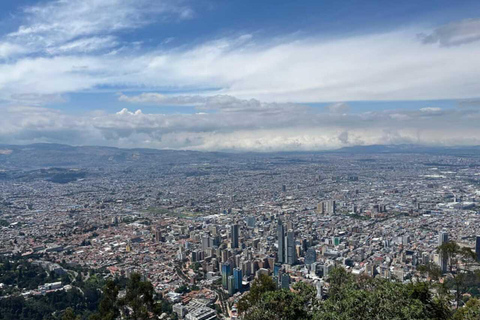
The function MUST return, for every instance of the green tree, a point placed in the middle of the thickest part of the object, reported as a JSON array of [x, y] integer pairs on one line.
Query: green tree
[[70, 315], [108, 308], [139, 299], [378, 299], [471, 311], [259, 286]]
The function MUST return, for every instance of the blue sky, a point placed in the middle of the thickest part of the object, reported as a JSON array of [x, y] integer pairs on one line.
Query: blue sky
[[239, 75]]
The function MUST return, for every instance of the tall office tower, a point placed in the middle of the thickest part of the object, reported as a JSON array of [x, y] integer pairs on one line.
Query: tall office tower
[[321, 208], [442, 238], [285, 281], [213, 229], [226, 271], [234, 234], [331, 207], [205, 242], [276, 269], [237, 274], [310, 256], [290, 253], [425, 258], [477, 247], [281, 242], [231, 285], [158, 235], [251, 222]]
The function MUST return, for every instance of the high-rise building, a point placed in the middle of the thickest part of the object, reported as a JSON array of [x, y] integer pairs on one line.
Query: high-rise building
[[281, 242], [327, 207], [251, 222], [443, 238], [237, 274], [226, 271], [234, 235], [276, 268], [158, 235], [285, 281], [310, 256], [477, 247], [231, 285], [290, 253], [206, 242], [330, 207], [425, 258]]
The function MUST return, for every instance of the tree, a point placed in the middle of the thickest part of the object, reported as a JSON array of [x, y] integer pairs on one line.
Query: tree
[[70, 315], [460, 278], [431, 270], [471, 311], [378, 299], [138, 302], [259, 286], [108, 308]]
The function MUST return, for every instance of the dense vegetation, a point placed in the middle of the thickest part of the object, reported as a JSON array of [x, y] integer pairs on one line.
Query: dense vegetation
[[351, 297], [22, 274], [91, 296]]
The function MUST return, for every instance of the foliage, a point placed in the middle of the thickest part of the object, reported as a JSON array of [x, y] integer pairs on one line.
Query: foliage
[[349, 298], [23, 274], [471, 311], [86, 300], [463, 280], [259, 286]]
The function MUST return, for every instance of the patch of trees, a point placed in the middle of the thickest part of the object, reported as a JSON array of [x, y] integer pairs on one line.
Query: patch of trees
[[351, 297]]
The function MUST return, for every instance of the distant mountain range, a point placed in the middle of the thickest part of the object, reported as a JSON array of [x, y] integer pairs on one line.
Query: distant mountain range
[[410, 148], [43, 155]]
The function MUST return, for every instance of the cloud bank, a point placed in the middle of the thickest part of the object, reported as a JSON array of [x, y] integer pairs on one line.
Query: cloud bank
[[295, 128], [247, 90], [62, 47]]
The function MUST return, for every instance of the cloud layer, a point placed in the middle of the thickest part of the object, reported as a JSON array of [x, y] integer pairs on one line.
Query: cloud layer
[[247, 89], [295, 128], [77, 45]]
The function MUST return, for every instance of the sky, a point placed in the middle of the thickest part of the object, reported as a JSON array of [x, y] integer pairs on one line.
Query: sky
[[240, 75]]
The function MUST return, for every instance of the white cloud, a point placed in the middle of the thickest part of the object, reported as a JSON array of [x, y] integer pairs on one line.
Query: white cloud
[[243, 130], [72, 46], [390, 66], [454, 33], [66, 26], [431, 109], [222, 103], [339, 107], [8, 50]]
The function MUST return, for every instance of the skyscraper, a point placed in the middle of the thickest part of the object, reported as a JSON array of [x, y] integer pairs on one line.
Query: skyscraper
[[276, 269], [251, 222], [281, 242], [234, 234], [158, 235], [205, 242], [285, 281], [226, 271], [290, 247], [310, 256], [231, 285], [330, 207], [237, 274], [442, 238]]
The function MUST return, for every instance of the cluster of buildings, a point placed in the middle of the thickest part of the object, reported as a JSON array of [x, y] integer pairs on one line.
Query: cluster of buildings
[[216, 225]]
